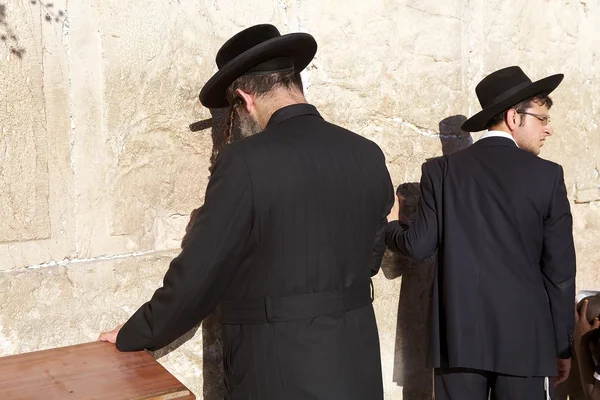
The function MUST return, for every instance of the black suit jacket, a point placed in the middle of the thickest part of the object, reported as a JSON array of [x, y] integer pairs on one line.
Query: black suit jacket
[[504, 285], [295, 209]]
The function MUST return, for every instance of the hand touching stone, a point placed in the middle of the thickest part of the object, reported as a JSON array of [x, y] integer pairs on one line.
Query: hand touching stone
[[399, 211]]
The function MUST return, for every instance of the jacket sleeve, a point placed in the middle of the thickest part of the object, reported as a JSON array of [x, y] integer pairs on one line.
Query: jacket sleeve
[[420, 239], [388, 202], [196, 279], [558, 266]]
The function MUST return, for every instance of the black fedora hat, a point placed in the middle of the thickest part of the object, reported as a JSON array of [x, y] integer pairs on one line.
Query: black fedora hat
[[503, 89], [255, 50]]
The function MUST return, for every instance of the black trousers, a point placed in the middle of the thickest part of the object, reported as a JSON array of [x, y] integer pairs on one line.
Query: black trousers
[[471, 384]]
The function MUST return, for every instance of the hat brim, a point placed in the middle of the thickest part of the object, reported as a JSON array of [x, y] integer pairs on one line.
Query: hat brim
[[478, 122], [300, 47]]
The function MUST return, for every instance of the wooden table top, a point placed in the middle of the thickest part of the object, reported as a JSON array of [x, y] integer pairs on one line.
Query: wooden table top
[[95, 370]]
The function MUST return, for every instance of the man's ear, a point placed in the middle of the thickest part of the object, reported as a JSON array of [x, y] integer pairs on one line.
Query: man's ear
[[246, 99], [513, 119]]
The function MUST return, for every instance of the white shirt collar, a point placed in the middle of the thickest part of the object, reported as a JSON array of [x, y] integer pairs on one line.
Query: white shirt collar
[[498, 134]]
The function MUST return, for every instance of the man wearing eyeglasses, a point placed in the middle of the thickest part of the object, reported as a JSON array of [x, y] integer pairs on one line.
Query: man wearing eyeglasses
[[499, 218], [529, 134]]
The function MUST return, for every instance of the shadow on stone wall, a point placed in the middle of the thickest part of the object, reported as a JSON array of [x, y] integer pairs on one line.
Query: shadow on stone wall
[[412, 327], [451, 136], [411, 352], [8, 35], [212, 338], [213, 387]]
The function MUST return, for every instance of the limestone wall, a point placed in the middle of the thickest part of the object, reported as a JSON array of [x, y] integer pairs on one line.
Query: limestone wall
[[99, 169]]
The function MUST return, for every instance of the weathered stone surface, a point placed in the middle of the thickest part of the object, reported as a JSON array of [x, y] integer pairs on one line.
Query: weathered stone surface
[[151, 90], [546, 40], [35, 170], [24, 214], [158, 168], [374, 55]]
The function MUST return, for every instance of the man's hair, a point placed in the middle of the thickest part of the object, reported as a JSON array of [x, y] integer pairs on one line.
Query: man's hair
[[540, 99], [261, 84], [593, 307]]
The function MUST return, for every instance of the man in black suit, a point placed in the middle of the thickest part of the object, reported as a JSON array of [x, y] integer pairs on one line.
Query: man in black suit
[[499, 218], [291, 231]]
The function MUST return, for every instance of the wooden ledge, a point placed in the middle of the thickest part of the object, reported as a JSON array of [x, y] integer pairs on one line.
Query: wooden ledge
[[95, 370]]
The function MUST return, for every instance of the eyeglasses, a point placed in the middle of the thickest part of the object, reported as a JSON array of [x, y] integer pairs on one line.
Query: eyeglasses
[[545, 119]]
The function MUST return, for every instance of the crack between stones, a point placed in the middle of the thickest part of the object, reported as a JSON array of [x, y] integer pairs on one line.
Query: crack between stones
[[67, 261], [430, 13], [421, 130]]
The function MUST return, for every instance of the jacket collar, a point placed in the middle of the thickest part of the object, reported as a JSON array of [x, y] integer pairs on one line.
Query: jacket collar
[[291, 111], [495, 141]]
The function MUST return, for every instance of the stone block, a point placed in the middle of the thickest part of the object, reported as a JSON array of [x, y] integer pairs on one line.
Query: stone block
[[24, 181], [157, 169], [35, 171]]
